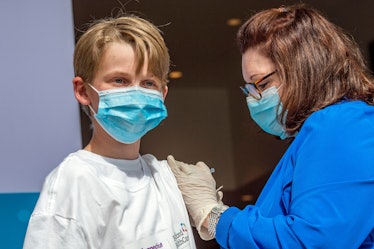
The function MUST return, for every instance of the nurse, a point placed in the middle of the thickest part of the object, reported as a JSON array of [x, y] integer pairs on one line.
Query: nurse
[[107, 195], [306, 81]]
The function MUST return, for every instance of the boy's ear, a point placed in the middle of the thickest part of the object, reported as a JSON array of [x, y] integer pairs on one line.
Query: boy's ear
[[165, 91], [80, 91]]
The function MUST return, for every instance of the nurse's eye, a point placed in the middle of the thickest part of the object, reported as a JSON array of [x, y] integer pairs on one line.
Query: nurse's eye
[[263, 85]]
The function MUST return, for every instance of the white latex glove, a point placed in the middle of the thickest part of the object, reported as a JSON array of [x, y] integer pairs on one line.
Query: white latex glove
[[199, 192]]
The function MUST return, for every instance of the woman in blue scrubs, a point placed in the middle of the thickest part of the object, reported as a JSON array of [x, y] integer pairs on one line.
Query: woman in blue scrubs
[[306, 81]]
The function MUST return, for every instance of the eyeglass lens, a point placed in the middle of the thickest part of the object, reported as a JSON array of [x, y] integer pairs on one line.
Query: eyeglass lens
[[252, 90]]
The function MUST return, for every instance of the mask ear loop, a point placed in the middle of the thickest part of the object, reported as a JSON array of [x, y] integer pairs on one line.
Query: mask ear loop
[[92, 110], [93, 88], [279, 87], [280, 105]]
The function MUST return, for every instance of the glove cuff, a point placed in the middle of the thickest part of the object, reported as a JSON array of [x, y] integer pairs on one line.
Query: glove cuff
[[199, 221], [211, 214], [214, 216], [208, 233]]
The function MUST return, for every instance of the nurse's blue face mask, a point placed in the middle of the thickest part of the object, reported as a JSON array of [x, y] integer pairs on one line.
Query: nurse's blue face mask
[[128, 113], [264, 112], [263, 106]]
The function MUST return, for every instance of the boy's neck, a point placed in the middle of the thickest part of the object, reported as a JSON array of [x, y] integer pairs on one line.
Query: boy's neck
[[114, 149]]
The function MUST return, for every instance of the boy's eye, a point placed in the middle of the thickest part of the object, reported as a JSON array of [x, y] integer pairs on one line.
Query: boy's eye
[[118, 81], [150, 84]]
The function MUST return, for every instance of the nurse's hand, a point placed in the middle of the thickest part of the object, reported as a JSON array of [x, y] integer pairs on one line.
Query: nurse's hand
[[199, 192]]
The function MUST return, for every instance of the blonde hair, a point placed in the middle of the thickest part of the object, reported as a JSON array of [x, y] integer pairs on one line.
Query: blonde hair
[[142, 35], [317, 63]]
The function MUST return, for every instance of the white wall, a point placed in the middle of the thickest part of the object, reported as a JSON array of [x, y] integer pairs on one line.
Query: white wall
[[39, 117]]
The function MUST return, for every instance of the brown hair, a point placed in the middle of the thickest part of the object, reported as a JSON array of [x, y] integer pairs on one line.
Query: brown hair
[[143, 36], [317, 63]]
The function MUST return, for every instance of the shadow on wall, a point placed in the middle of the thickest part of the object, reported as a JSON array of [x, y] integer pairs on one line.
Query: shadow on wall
[[246, 194]]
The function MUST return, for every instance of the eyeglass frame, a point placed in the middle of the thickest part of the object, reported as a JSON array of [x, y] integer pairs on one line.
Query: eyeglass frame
[[254, 84]]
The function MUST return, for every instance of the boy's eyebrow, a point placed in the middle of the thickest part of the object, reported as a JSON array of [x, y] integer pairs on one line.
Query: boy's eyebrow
[[118, 72], [126, 74]]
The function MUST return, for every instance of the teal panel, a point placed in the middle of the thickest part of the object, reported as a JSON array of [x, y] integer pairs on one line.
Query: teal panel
[[15, 211]]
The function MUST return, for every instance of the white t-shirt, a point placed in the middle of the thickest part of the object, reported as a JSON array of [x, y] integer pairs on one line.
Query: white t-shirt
[[91, 201]]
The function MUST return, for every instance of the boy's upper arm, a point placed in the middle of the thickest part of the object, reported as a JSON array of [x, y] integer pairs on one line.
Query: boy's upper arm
[[52, 231]]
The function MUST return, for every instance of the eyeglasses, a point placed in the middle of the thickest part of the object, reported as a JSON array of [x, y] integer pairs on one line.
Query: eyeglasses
[[252, 89]]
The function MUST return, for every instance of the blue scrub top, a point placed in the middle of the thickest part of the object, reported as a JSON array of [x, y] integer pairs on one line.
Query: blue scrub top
[[321, 193]]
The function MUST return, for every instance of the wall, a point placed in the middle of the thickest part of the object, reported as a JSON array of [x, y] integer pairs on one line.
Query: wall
[[39, 115]]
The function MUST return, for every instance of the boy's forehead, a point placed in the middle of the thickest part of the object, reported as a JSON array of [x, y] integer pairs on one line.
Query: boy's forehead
[[121, 57]]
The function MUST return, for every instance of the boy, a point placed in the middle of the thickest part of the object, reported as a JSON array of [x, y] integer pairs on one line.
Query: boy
[[107, 195]]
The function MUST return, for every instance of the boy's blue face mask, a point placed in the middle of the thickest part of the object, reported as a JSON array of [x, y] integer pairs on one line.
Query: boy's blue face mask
[[265, 112], [128, 113]]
